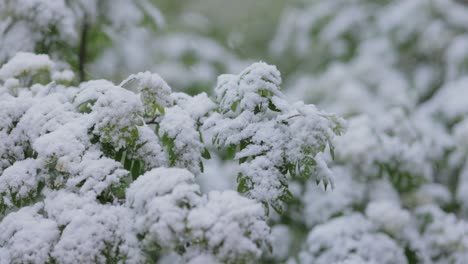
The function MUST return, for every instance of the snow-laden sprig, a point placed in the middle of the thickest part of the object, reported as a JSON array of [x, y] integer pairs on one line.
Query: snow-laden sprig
[[334, 27], [444, 234], [27, 236], [172, 215], [230, 225], [318, 33], [76, 32], [272, 139], [115, 112], [176, 118], [25, 63], [372, 76], [161, 200], [91, 231], [89, 165], [350, 237], [154, 92], [391, 145]]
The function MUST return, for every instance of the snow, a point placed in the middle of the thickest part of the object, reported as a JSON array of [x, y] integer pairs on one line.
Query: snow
[[179, 126], [25, 62], [91, 230], [26, 236], [252, 111], [350, 237], [20, 181], [154, 91], [105, 171], [61, 176], [389, 216], [229, 224], [65, 75], [161, 200]]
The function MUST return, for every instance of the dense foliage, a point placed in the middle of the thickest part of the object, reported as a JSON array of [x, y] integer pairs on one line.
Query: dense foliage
[[128, 136]]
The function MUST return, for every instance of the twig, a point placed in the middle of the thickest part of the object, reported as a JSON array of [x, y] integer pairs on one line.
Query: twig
[[83, 49]]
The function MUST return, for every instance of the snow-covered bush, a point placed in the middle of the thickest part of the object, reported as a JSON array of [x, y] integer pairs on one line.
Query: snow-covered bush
[[125, 170], [107, 173], [397, 71], [74, 33]]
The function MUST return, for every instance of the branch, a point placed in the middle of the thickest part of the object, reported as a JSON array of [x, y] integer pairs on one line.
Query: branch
[[83, 49]]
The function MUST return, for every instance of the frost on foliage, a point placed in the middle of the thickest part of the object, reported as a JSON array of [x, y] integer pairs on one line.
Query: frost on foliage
[[370, 77], [63, 76], [402, 83], [25, 23], [47, 144], [150, 151], [177, 118], [387, 146], [71, 152], [444, 234], [334, 26], [20, 182], [348, 238], [271, 138], [91, 232], [115, 111], [56, 26], [10, 113], [25, 63], [172, 214], [430, 193], [449, 105], [339, 29], [389, 216], [198, 106], [161, 199], [179, 134], [26, 236], [154, 92], [230, 225], [67, 228]]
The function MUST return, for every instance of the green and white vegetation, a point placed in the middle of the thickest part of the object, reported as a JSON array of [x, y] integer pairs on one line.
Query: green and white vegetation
[[129, 136]]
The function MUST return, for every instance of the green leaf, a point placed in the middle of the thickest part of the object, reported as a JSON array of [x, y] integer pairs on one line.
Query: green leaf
[[231, 151], [128, 164], [306, 172], [272, 106], [200, 163], [277, 207], [234, 105], [206, 154], [312, 162], [292, 169], [168, 142], [286, 196], [86, 106], [257, 109], [118, 156], [243, 183], [136, 169]]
